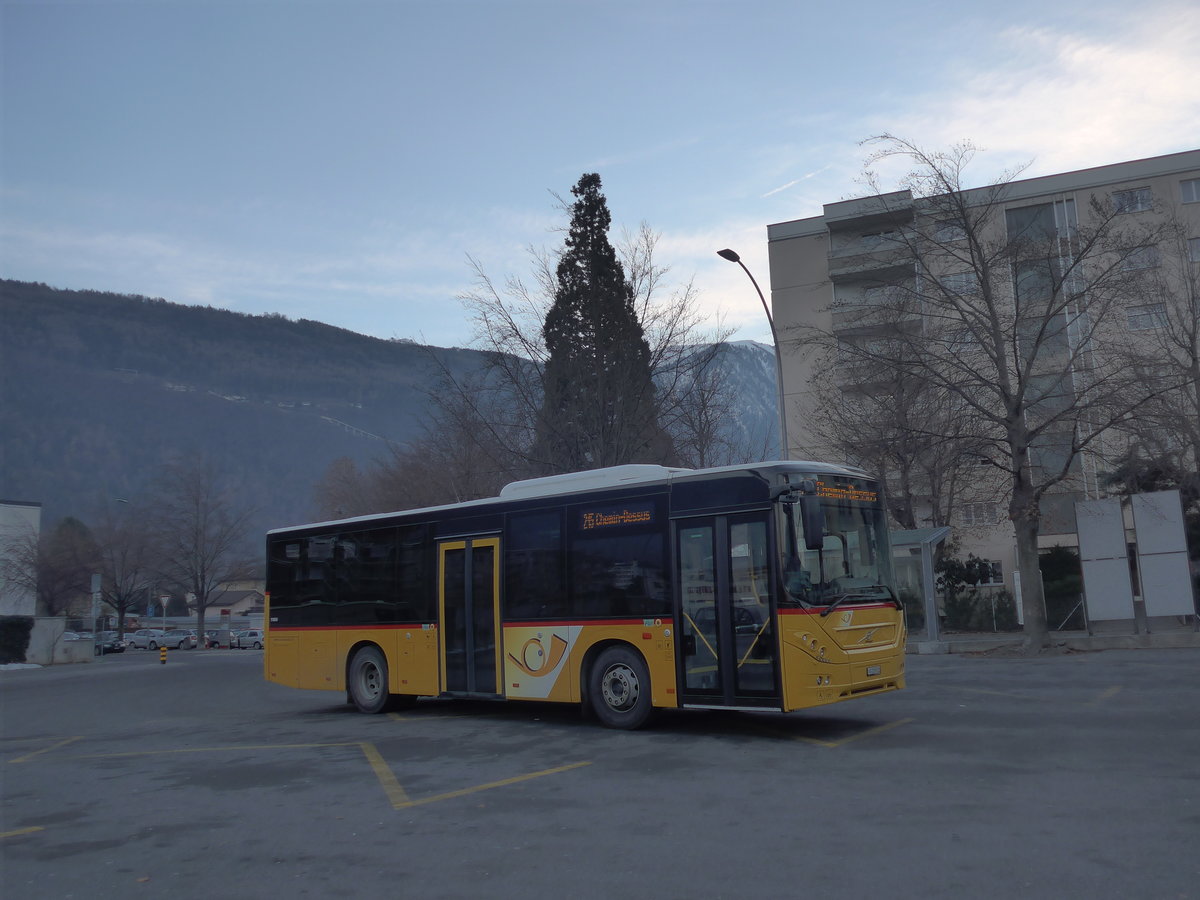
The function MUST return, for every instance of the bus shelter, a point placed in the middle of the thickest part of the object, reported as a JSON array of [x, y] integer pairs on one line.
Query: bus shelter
[[912, 558]]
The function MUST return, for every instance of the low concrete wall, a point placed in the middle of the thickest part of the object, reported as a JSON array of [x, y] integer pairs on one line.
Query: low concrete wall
[[47, 647]]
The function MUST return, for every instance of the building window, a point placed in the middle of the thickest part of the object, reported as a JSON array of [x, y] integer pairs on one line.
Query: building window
[[1194, 249], [1140, 258], [949, 231], [873, 239], [991, 572], [980, 513], [1189, 190], [960, 339], [882, 294], [1134, 200], [1143, 318], [960, 283]]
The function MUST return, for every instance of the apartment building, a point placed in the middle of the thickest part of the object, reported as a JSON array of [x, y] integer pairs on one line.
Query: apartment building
[[1086, 248]]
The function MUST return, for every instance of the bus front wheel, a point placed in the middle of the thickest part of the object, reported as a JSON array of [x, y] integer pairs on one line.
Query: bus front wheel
[[620, 689]]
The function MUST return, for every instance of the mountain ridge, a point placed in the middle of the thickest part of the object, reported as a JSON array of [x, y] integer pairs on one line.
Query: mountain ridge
[[100, 388]]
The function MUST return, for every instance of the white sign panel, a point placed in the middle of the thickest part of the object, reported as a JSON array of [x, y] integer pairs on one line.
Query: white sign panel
[[1106, 586], [1162, 554]]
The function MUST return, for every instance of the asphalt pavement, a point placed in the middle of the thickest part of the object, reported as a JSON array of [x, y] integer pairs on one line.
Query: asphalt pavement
[[1067, 775]]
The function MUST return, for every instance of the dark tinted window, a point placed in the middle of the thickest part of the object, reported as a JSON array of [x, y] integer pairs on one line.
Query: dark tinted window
[[617, 560], [369, 577], [534, 586]]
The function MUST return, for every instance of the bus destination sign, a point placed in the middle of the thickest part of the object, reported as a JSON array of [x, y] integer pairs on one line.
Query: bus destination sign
[[846, 492], [616, 516]]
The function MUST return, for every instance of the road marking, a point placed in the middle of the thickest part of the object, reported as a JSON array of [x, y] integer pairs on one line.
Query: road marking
[[425, 717], [1010, 694], [870, 732], [391, 787], [1104, 695], [216, 749], [20, 831], [406, 803], [29, 756]]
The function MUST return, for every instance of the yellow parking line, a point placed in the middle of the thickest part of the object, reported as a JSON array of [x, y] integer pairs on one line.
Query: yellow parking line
[[391, 787], [29, 756], [449, 795], [20, 831], [1010, 694], [1110, 692], [870, 732], [215, 749]]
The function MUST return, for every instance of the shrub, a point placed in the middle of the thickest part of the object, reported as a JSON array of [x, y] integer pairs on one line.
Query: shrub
[[14, 638]]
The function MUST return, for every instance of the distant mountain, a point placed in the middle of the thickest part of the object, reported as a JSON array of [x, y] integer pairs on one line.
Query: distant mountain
[[98, 389]]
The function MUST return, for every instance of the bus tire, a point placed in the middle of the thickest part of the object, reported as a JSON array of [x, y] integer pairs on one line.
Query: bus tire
[[619, 688], [367, 680]]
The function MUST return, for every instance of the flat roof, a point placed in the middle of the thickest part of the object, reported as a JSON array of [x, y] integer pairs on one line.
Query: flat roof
[[1023, 189]]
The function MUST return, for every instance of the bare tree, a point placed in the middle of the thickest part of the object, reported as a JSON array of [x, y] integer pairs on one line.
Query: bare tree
[[125, 557], [1164, 351], [1015, 313], [55, 566], [343, 491], [200, 527], [920, 437]]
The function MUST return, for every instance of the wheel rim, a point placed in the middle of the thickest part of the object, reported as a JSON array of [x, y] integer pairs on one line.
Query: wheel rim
[[620, 687], [370, 681]]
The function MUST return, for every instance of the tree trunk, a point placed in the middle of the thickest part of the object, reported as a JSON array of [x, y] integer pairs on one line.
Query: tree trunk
[[1033, 603]]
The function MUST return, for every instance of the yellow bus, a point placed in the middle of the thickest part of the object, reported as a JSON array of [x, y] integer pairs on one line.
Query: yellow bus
[[764, 587]]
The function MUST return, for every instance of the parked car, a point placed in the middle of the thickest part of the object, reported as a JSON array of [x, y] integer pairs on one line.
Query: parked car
[[70, 636], [109, 642], [144, 639], [250, 639], [178, 639]]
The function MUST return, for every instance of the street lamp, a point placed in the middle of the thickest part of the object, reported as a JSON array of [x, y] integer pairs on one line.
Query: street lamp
[[783, 435]]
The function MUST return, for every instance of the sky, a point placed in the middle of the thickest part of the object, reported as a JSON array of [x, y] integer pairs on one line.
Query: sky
[[346, 161]]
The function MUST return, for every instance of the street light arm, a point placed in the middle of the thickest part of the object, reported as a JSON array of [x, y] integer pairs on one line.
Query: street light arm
[[732, 256]]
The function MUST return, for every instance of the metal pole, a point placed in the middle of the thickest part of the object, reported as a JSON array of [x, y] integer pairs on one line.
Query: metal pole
[[95, 612], [783, 434]]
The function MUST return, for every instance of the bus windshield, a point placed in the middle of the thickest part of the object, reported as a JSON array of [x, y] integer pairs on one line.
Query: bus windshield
[[848, 561]]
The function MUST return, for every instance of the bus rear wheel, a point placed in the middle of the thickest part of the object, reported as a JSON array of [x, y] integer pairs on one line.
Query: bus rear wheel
[[367, 680], [620, 689]]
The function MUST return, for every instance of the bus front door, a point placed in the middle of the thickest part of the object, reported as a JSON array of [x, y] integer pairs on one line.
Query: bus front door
[[468, 590], [728, 653]]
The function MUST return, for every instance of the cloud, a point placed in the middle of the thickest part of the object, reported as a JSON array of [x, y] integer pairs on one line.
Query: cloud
[[1071, 100], [796, 181]]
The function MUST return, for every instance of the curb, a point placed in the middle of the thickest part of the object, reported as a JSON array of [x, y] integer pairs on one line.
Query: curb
[[1168, 640]]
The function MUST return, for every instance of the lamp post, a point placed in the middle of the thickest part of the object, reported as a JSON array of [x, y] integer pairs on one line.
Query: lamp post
[[783, 435]]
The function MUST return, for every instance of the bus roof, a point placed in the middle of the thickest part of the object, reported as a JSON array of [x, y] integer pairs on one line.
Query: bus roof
[[598, 479]]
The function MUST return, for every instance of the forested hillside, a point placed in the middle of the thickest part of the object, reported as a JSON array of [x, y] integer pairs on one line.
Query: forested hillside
[[98, 389]]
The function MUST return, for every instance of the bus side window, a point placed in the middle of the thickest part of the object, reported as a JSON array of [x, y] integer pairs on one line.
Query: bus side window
[[533, 566]]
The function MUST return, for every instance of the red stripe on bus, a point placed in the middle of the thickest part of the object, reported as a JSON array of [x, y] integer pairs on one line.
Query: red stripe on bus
[[417, 627], [817, 610], [541, 623]]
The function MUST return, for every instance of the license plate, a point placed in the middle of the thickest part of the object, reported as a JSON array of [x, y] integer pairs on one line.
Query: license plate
[[874, 670]]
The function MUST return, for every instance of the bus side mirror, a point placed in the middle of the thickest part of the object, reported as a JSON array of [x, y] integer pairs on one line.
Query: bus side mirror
[[812, 514]]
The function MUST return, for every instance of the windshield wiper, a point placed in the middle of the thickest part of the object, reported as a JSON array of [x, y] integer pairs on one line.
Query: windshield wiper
[[835, 604], [895, 597], [861, 594]]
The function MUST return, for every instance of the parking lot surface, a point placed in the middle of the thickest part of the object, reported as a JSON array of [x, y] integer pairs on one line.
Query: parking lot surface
[[1060, 776]]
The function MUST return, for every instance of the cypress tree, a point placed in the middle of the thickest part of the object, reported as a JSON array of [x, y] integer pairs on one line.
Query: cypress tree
[[599, 405]]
